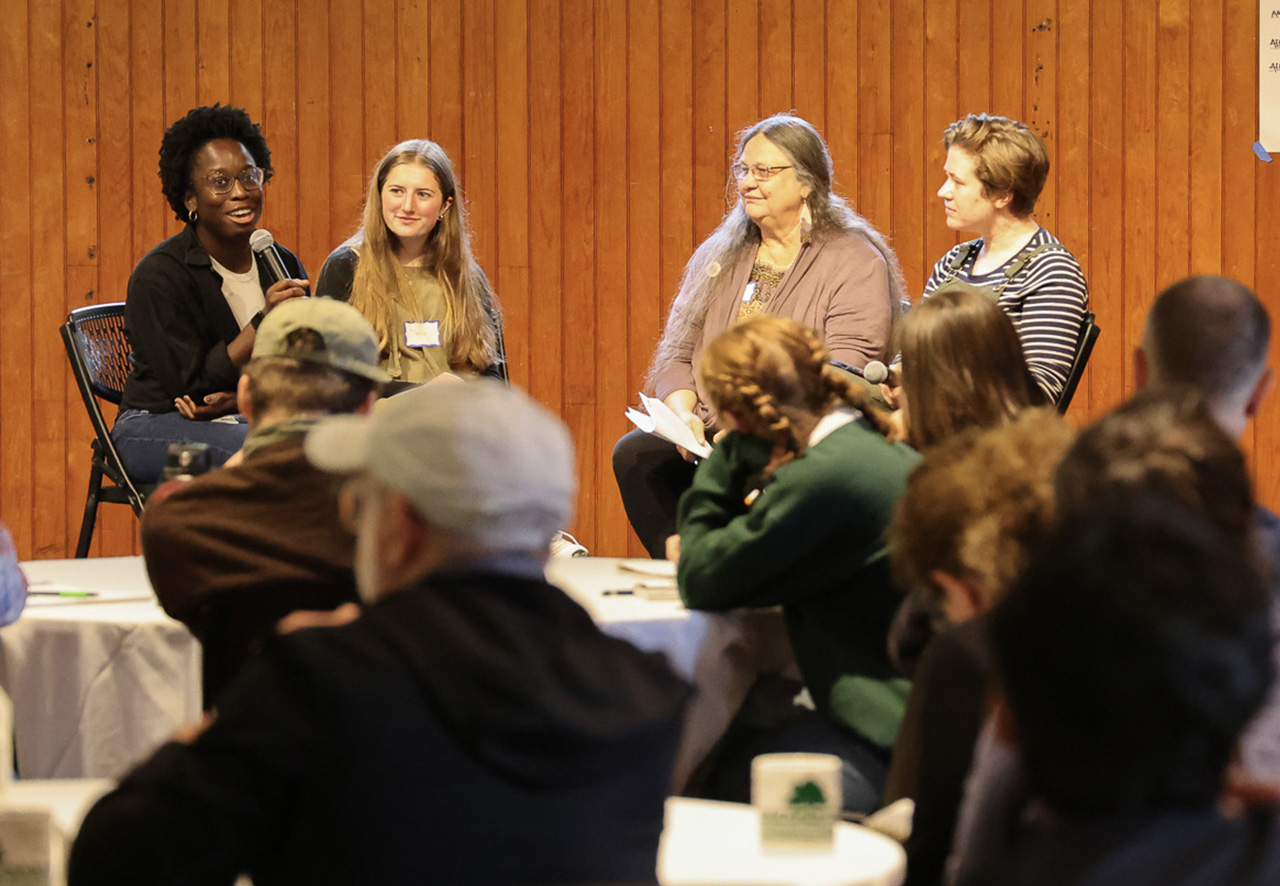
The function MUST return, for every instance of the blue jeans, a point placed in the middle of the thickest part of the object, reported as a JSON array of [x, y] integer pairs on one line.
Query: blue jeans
[[143, 439]]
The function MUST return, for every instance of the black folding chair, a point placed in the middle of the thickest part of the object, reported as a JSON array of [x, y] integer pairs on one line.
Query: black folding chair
[[99, 355], [1089, 333]]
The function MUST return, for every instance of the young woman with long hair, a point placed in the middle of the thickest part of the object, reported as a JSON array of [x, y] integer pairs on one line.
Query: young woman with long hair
[[409, 270]]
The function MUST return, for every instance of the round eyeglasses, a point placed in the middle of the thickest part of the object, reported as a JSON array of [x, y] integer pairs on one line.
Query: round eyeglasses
[[250, 178]]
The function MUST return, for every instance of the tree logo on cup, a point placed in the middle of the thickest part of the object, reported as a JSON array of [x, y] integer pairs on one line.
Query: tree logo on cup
[[808, 794]]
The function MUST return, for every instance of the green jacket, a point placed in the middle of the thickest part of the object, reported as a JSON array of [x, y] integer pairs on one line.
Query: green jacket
[[813, 542]]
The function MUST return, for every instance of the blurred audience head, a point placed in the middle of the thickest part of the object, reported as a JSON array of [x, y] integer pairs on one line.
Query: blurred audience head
[[447, 473], [767, 374], [1163, 443], [962, 366], [1131, 655], [311, 356], [1210, 333], [975, 511]]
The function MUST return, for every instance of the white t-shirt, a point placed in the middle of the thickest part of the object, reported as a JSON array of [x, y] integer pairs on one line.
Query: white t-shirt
[[243, 292]]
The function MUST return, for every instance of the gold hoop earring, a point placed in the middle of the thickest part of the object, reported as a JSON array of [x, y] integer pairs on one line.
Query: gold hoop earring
[[192, 216]]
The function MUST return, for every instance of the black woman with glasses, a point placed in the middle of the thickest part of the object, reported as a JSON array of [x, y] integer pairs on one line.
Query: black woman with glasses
[[788, 246], [195, 301]]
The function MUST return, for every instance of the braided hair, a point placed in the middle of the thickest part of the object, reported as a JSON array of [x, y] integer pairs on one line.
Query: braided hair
[[767, 371]]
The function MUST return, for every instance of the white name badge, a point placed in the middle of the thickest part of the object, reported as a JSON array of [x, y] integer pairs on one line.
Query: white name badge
[[425, 334], [749, 292]]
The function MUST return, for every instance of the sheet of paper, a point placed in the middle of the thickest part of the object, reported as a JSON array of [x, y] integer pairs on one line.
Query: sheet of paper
[[668, 426]]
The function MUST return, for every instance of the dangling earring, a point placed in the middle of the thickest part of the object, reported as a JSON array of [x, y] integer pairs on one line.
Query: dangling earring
[[192, 216], [806, 223]]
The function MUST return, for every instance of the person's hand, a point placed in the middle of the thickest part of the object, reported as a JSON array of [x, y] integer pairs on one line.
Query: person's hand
[[699, 432], [891, 387], [213, 406], [1242, 794], [318, 618], [283, 290], [721, 434], [898, 433], [673, 548], [189, 733]]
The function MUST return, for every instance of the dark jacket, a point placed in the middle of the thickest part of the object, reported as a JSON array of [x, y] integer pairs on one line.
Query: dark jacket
[[179, 324], [476, 727], [234, 551]]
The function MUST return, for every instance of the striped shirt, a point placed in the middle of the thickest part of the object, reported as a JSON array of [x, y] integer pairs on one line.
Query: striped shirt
[[1045, 299]]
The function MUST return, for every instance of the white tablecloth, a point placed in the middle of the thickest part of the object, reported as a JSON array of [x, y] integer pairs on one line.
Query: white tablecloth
[[96, 685], [712, 844]]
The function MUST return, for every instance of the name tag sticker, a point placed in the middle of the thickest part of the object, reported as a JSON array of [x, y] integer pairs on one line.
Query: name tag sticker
[[749, 292], [425, 334]]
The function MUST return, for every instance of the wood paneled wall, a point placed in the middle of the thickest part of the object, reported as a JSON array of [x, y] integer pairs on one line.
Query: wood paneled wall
[[592, 139]]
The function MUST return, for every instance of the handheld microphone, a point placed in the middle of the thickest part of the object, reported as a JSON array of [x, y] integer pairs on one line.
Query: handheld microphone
[[875, 372], [264, 246]]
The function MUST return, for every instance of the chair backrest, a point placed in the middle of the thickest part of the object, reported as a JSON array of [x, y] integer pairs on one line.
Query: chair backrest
[[99, 354], [99, 334], [1089, 332]]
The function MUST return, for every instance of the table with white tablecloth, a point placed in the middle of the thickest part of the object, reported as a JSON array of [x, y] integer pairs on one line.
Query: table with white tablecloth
[[98, 682], [705, 843]]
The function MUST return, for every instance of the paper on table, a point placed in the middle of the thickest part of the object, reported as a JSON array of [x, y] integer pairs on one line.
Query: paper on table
[[662, 421], [658, 568]]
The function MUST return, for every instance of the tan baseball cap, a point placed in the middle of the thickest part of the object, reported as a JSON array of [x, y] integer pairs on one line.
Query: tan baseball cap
[[346, 340]]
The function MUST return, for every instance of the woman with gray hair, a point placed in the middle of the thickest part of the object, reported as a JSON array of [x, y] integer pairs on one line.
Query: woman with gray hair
[[788, 246]]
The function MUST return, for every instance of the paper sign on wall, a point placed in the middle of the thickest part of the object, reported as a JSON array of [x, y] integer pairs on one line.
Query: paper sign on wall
[[1269, 75]]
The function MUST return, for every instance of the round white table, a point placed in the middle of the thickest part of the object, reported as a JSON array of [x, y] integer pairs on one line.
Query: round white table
[[705, 843]]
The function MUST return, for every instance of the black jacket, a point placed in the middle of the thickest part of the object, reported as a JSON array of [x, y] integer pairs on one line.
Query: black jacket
[[179, 324], [474, 728]]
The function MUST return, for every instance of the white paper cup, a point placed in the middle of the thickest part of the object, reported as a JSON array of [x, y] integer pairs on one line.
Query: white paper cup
[[799, 800]]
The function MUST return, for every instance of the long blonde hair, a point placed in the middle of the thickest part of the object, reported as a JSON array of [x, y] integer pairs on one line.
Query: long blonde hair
[[766, 367], [807, 153], [380, 280]]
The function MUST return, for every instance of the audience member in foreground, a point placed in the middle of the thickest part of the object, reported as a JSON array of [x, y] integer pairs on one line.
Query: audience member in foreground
[[1162, 446], [13, 584], [944, 389], [1131, 655], [234, 551], [974, 513], [790, 509], [472, 726], [409, 270]]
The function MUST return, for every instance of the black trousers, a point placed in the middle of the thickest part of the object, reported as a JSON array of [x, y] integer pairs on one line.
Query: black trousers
[[651, 477]]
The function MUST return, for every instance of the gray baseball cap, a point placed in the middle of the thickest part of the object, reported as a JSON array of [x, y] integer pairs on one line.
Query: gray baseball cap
[[347, 341], [475, 457]]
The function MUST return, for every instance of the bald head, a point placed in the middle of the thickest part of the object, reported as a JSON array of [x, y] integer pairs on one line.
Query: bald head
[[1210, 333]]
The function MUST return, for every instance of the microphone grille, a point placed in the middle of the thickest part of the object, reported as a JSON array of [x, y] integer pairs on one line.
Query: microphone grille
[[261, 239], [875, 372]]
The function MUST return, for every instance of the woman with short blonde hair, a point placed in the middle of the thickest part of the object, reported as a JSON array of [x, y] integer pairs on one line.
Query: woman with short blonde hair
[[996, 168]]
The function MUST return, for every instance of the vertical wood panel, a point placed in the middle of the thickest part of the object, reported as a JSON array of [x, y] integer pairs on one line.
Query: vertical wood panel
[[49, 278], [1107, 366], [645, 295], [612, 329], [116, 530], [911, 188], [1074, 151], [578, 251], [546, 263], [1140, 204], [80, 156], [592, 141], [16, 305]]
